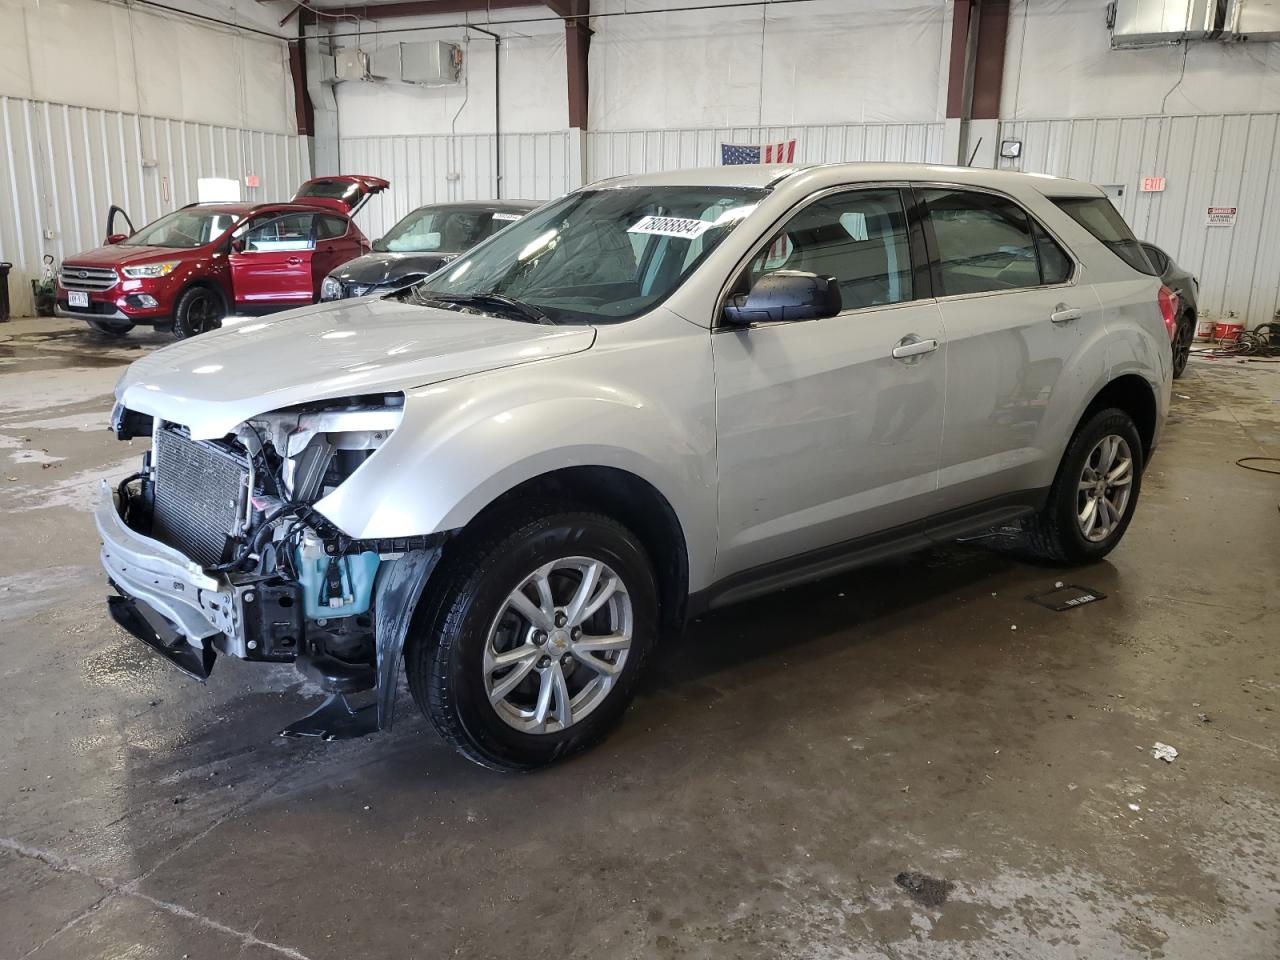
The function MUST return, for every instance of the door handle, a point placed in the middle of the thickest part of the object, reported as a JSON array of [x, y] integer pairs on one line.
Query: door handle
[[1064, 314], [294, 261], [913, 346]]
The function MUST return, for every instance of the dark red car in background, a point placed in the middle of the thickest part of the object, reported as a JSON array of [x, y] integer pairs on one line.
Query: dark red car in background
[[188, 270]]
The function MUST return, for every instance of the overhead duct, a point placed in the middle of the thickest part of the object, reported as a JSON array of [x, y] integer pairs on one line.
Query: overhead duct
[[1253, 20], [1144, 23], [432, 63]]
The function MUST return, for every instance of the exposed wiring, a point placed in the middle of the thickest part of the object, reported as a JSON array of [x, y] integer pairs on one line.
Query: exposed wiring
[[235, 27], [1186, 49]]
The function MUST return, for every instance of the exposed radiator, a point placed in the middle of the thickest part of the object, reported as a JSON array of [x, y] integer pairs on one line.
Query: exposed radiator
[[200, 493]]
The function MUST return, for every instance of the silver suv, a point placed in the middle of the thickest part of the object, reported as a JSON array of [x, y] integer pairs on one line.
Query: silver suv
[[654, 396]]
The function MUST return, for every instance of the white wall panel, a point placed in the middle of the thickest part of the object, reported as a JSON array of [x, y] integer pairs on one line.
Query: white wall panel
[[436, 169], [1059, 63], [715, 64], [112, 56], [61, 166], [613, 153], [1223, 161]]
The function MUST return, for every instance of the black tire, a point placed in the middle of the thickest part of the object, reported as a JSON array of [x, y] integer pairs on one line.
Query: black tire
[[1055, 533], [198, 311], [444, 659], [1184, 333], [111, 328]]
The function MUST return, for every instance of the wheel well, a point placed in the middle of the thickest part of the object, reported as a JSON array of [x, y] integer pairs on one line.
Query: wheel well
[[633, 502], [1134, 396], [204, 284]]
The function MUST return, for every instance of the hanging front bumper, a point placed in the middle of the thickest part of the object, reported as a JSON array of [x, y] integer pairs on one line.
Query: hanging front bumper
[[173, 602]]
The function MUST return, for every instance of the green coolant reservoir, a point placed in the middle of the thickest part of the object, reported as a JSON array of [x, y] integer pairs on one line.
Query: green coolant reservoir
[[334, 586]]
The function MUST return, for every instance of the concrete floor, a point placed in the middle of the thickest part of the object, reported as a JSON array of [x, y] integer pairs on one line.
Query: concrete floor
[[784, 763]]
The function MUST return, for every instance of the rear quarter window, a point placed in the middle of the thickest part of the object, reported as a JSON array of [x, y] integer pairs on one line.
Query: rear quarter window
[[1100, 218]]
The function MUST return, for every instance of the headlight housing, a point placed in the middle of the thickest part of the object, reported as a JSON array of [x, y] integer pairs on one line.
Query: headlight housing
[[330, 289], [147, 271]]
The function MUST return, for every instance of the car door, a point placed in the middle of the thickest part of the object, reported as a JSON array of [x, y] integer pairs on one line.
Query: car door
[[271, 261], [335, 245], [1017, 316], [824, 435]]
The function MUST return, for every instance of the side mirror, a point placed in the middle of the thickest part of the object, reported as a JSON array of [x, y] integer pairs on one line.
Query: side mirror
[[117, 238], [237, 245], [785, 295]]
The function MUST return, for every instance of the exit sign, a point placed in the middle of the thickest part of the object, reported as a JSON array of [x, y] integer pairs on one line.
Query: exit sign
[[1152, 184], [251, 181]]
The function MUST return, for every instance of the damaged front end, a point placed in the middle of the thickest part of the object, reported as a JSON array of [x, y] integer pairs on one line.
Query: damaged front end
[[215, 546]]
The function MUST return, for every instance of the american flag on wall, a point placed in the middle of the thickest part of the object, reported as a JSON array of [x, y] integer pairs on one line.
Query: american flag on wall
[[731, 153]]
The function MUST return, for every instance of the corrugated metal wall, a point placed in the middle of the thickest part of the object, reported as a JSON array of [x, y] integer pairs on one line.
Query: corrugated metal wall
[[1220, 161], [610, 154], [537, 166], [61, 166], [440, 168]]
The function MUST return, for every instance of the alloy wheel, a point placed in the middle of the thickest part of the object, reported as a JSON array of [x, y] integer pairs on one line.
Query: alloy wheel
[[202, 315], [1182, 346], [1104, 488], [557, 646]]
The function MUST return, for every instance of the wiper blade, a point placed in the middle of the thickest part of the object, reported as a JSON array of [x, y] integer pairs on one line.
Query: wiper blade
[[524, 311]]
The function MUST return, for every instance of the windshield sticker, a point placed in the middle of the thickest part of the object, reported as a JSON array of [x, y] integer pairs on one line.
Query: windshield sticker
[[507, 216], [672, 227]]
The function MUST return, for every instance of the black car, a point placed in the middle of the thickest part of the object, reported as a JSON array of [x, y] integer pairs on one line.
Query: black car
[[420, 244], [1186, 286]]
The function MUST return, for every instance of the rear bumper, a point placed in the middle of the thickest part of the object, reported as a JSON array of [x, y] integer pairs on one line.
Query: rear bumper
[[165, 582]]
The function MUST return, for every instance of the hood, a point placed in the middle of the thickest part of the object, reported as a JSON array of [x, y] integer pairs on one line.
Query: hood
[[216, 381], [121, 254], [386, 267]]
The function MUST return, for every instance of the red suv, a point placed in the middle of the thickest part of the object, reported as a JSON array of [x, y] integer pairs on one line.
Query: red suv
[[191, 268]]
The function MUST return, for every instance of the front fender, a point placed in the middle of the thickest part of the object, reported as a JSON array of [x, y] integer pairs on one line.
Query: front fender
[[464, 443]]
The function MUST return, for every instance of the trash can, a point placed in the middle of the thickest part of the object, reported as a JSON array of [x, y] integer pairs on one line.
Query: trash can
[[4, 290]]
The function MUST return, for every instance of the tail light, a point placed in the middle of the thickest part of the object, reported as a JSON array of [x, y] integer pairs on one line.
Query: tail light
[[1168, 301]]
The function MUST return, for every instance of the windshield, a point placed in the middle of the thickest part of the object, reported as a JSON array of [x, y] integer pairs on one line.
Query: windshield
[[451, 229], [599, 256], [184, 230]]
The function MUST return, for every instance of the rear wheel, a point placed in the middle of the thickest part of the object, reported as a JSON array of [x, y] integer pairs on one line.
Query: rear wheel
[[1094, 494], [536, 638], [198, 311], [1182, 338], [110, 328]]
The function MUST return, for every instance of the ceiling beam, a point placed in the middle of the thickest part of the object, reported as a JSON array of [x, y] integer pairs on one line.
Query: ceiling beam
[[421, 8]]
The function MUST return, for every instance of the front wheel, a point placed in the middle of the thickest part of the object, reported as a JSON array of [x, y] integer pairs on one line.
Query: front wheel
[[1094, 494], [537, 637], [198, 311]]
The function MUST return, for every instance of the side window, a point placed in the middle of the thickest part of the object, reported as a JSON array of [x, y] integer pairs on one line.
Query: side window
[[330, 228], [983, 243], [1055, 265], [281, 234], [1157, 257], [859, 237]]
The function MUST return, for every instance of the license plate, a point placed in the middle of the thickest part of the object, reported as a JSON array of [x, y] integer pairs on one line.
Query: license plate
[[77, 298]]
